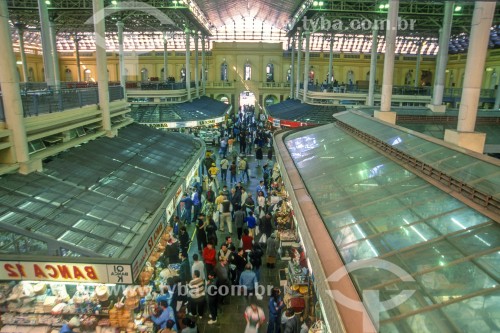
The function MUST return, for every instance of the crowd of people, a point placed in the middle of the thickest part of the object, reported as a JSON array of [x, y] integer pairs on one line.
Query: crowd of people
[[230, 264]]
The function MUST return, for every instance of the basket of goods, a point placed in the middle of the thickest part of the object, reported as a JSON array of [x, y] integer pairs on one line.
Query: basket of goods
[[102, 293], [153, 258], [143, 290], [39, 288], [131, 303], [303, 290], [163, 241], [88, 321], [58, 309], [317, 327], [147, 273], [114, 316], [132, 298], [124, 319]]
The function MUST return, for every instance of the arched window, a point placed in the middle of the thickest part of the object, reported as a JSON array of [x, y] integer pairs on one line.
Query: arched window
[[270, 73], [68, 76], [248, 71], [289, 74], [183, 74], [86, 75], [31, 74], [408, 77], [350, 77], [311, 75], [223, 71], [494, 77], [452, 79], [144, 74]]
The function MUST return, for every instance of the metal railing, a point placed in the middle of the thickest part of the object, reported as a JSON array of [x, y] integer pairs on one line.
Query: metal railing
[[164, 85], [40, 101]]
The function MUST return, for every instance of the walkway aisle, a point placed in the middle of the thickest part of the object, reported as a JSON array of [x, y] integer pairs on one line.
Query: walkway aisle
[[230, 318]]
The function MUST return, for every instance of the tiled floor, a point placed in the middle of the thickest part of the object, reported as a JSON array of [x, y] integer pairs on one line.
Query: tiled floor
[[230, 318]]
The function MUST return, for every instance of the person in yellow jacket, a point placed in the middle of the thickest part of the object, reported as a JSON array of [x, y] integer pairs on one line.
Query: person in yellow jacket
[[213, 172]]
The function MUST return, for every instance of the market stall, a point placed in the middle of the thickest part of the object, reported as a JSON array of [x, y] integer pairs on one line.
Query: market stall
[[296, 277]]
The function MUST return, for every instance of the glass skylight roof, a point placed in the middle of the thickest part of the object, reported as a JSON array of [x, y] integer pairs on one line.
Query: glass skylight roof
[[375, 208], [93, 200]]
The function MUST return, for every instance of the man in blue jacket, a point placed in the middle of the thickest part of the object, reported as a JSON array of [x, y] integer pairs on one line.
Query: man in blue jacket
[[188, 205], [167, 314]]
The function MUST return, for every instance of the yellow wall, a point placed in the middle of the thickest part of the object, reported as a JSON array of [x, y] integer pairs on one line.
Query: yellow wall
[[259, 54]]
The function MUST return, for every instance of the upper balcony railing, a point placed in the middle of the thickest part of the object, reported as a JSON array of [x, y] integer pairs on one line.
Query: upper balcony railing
[[39, 99]]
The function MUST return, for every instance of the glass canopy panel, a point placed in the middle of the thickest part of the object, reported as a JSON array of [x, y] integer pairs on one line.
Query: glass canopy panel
[[426, 257], [490, 263], [374, 208], [480, 239], [408, 235], [480, 314], [457, 220], [440, 205], [459, 165], [427, 322]]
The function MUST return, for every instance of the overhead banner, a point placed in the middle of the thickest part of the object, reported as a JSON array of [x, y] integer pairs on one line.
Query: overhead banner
[[183, 124], [65, 272]]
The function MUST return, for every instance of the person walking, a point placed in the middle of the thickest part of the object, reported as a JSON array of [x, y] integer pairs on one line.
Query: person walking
[[248, 281], [276, 306], [233, 170], [239, 261], [272, 250], [184, 268], [201, 235], [225, 215], [196, 292], [212, 297], [243, 168], [239, 221], [209, 255], [195, 197], [198, 265], [255, 317], [255, 258], [259, 155], [222, 273], [184, 239], [292, 325], [211, 230], [251, 223], [188, 206], [247, 241], [224, 165]]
